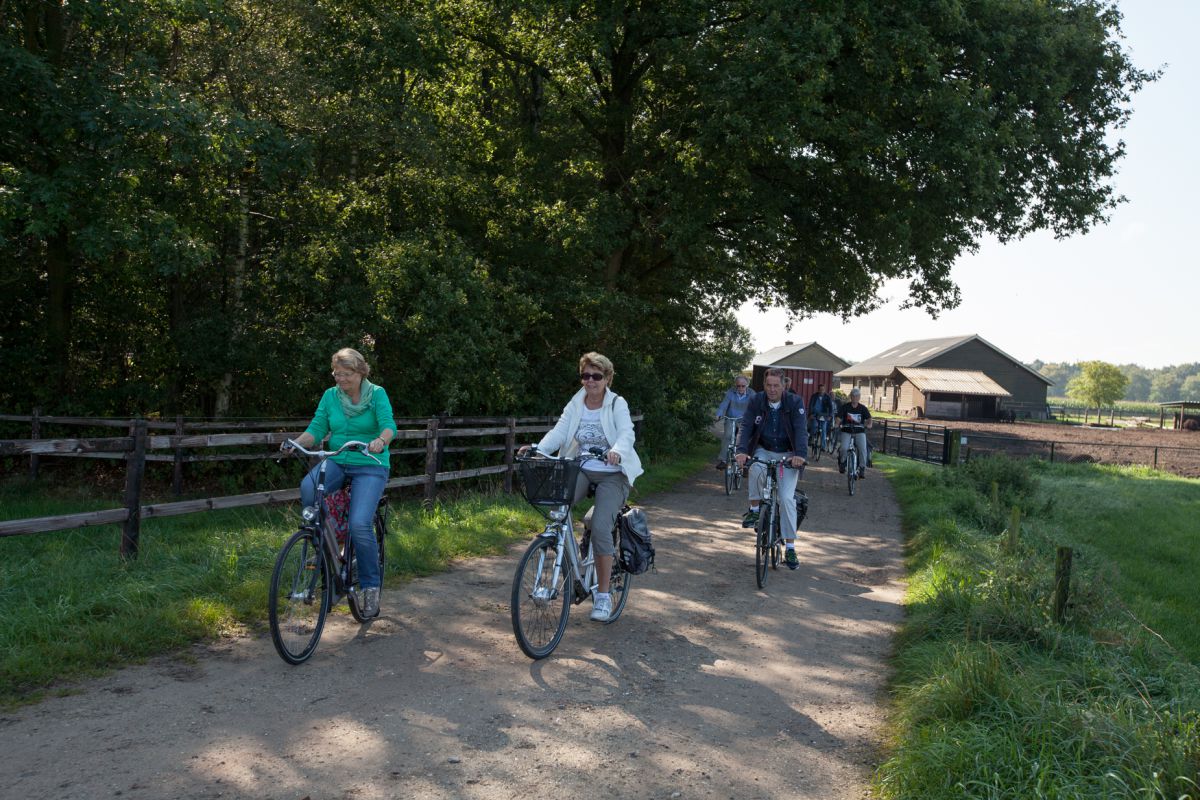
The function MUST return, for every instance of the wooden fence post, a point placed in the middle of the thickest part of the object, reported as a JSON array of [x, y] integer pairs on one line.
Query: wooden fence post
[[1062, 582], [135, 468], [1014, 529], [35, 432], [510, 449], [177, 476], [431, 461]]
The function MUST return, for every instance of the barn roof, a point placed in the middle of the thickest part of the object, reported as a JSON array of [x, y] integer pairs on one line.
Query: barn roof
[[773, 356], [953, 381], [917, 352]]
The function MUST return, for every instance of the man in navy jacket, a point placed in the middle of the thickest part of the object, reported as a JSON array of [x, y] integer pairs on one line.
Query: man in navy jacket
[[775, 427]]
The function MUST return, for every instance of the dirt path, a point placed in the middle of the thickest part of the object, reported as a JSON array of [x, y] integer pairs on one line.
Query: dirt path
[[706, 687]]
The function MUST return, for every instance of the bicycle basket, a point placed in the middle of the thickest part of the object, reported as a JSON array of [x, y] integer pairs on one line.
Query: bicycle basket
[[549, 481]]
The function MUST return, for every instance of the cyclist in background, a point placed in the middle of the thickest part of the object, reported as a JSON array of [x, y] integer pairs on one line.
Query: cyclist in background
[[820, 405], [774, 428], [732, 407], [854, 418]]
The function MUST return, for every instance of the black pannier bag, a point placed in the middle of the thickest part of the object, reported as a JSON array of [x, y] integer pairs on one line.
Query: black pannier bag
[[635, 549], [801, 507]]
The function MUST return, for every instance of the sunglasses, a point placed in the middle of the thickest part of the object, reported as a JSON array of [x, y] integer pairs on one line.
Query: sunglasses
[[591, 376]]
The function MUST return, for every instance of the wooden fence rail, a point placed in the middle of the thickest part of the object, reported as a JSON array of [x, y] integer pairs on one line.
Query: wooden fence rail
[[134, 448]]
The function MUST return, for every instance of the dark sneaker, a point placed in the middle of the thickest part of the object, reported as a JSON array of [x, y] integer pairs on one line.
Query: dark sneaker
[[750, 519], [721, 466], [862, 473], [789, 558], [841, 466]]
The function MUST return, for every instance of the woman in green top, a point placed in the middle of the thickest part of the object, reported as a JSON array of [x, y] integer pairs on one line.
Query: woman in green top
[[354, 409]]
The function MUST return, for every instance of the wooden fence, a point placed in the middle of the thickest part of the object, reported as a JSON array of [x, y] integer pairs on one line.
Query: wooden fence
[[429, 435]]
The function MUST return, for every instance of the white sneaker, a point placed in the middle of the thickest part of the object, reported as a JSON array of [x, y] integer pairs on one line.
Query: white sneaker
[[370, 602], [602, 609]]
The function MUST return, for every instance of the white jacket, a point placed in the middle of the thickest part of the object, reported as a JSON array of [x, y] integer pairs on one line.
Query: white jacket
[[618, 429]]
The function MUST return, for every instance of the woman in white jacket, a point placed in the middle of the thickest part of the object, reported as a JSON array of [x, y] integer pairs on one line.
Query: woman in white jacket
[[598, 417]]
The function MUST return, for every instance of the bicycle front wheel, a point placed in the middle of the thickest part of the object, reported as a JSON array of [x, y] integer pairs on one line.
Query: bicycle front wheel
[[540, 603], [300, 597], [852, 470], [815, 452], [355, 586], [730, 468], [762, 545]]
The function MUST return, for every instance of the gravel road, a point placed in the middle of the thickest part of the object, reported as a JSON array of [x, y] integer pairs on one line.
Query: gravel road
[[706, 687]]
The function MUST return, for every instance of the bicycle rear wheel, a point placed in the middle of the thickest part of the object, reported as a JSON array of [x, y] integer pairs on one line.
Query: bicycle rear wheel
[[540, 604], [300, 597], [618, 585], [355, 586], [762, 544], [852, 470]]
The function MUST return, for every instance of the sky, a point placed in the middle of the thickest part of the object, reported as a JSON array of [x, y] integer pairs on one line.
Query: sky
[[1126, 292]]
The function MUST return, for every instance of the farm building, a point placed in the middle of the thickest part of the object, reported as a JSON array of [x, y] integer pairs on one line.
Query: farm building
[[956, 377], [808, 365]]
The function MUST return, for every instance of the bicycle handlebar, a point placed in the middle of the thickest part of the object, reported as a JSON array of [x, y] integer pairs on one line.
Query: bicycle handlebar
[[773, 462], [353, 444], [593, 454]]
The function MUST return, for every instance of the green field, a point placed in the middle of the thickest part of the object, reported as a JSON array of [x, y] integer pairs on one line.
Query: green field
[[69, 607], [995, 699]]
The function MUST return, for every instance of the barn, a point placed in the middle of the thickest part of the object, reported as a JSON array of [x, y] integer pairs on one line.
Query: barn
[[955, 377], [807, 364]]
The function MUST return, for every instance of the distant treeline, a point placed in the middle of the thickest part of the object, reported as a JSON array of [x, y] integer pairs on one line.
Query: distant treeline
[[1163, 385]]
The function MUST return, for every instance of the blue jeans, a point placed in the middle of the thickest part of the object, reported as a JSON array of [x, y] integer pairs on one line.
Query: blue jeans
[[368, 483]]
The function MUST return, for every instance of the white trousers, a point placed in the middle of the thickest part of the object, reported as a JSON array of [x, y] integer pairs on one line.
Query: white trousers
[[787, 490]]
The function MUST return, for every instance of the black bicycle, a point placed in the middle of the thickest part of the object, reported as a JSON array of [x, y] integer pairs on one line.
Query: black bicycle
[[733, 472], [851, 460], [314, 570], [768, 532], [820, 440], [556, 571]]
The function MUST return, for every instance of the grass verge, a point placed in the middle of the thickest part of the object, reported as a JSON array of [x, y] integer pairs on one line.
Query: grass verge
[[995, 699], [70, 608]]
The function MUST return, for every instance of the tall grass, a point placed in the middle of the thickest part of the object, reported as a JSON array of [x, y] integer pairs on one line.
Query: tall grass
[[993, 698], [70, 607]]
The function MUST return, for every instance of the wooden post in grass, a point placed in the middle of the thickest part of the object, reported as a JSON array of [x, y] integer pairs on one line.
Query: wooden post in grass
[[431, 461], [1014, 529], [35, 432], [135, 468], [510, 450], [1062, 582]]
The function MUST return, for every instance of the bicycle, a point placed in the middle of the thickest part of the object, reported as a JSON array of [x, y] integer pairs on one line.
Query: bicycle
[[768, 532], [314, 570], [850, 457], [820, 440], [556, 571], [733, 473]]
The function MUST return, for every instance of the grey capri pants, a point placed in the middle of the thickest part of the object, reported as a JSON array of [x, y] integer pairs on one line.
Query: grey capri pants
[[612, 489]]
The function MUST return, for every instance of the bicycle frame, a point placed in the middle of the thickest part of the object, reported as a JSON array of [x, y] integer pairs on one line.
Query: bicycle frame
[[314, 517]]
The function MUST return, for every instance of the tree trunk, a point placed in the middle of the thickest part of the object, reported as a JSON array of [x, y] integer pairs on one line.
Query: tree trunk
[[225, 390]]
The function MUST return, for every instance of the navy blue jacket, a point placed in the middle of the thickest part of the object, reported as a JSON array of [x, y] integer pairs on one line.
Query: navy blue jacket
[[795, 423]]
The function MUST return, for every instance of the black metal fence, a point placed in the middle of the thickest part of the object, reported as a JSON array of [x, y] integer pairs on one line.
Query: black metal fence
[[915, 440]]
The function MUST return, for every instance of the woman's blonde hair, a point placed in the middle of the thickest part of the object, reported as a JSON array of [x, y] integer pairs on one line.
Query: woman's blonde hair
[[598, 361], [350, 358]]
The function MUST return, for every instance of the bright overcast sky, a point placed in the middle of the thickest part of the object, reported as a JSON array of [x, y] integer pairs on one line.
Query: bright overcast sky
[[1128, 292]]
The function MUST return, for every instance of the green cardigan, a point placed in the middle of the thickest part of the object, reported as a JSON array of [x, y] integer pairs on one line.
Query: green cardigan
[[368, 425]]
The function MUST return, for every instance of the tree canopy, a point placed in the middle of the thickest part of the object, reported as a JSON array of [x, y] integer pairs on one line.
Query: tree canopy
[[1097, 384], [202, 200]]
